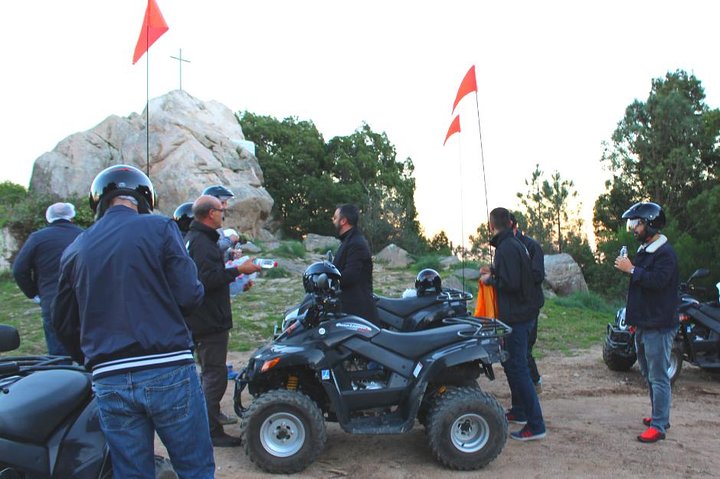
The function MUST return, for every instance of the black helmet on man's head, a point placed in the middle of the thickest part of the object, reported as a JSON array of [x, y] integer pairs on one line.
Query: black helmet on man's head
[[183, 216], [650, 214], [428, 282], [119, 180], [219, 192]]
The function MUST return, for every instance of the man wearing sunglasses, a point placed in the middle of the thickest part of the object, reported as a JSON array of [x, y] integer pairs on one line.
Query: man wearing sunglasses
[[211, 322], [652, 308]]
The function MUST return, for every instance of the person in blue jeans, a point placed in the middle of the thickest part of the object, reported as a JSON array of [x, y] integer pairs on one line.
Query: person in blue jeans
[[123, 288], [511, 274], [652, 308]]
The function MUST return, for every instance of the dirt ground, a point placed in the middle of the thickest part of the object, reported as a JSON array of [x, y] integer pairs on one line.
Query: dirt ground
[[593, 416]]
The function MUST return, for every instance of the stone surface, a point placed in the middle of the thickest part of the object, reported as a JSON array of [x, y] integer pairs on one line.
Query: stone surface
[[8, 247], [193, 144], [320, 244], [394, 256], [448, 261], [563, 275], [470, 273]]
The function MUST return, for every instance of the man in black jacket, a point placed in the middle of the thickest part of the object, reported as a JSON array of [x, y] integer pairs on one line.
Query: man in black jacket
[[37, 266], [211, 322], [354, 261], [537, 259], [511, 274], [652, 308], [124, 286]]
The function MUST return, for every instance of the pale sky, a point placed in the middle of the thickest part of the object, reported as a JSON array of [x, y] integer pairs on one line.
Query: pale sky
[[554, 78]]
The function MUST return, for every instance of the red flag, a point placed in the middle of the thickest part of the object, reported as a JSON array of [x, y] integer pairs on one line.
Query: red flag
[[454, 128], [152, 28], [468, 85]]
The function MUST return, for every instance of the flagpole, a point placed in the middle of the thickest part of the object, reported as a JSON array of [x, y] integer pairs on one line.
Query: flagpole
[[462, 215], [482, 157], [147, 97]]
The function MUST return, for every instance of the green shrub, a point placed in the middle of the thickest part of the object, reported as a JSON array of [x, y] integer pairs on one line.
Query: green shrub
[[427, 261], [290, 249], [275, 273]]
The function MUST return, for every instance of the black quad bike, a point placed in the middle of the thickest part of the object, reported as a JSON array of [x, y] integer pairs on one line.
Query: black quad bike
[[49, 424], [619, 348], [328, 366]]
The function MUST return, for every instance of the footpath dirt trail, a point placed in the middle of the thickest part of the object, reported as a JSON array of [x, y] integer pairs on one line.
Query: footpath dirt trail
[[593, 416]]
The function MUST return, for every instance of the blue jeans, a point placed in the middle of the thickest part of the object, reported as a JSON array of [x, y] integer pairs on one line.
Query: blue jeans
[[653, 351], [525, 403], [167, 400]]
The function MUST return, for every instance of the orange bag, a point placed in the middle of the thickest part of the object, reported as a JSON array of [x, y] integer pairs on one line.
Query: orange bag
[[486, 301]]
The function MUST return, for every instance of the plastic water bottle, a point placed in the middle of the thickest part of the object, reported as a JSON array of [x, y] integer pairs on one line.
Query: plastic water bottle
[[230, 373], [265, 263], [624, 251]]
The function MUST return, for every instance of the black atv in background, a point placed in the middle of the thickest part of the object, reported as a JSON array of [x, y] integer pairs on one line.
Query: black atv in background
[[619, 348], [329, 366]]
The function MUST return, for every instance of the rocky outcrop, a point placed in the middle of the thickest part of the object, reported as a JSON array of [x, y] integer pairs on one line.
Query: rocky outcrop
[[394, 256], [193, 144], [563, 275], [8, 247], [320, 244]]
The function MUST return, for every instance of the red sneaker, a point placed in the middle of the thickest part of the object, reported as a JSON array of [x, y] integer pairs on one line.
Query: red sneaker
[[648, 421], [651, 435]]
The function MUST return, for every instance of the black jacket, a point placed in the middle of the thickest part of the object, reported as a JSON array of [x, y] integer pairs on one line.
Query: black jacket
[[214, 314], [354, 262], [537, 258], [512, 276], [37, 266], [124, 285], [653, 292]]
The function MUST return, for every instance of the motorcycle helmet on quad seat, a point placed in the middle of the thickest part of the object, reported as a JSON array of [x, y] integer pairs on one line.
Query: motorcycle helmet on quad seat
[[183, 216], [119, 180], [428, 282], [650, 214], [321, 277]]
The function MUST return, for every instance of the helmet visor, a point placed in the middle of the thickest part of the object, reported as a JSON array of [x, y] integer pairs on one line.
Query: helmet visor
[[633, 223]]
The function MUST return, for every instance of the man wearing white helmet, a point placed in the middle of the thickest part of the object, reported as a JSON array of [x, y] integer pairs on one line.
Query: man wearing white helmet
[[37, 265]]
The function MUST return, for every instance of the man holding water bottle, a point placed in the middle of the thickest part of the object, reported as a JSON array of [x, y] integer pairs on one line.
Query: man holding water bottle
[[652, 309]]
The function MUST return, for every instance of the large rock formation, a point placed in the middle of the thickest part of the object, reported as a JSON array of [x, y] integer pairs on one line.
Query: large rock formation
[[564, 275], [193, 144]]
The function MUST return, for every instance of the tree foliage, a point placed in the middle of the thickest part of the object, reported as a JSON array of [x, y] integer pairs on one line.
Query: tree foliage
[[547, 213], [667, 150], [308, 178]]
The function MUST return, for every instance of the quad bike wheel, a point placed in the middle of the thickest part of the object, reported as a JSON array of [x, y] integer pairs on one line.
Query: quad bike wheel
[[466, 428], [616, 362], [676, 362], [283, 431]]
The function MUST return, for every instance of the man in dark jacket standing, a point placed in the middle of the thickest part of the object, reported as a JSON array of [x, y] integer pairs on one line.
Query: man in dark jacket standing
[[511, 274], [652, 308], [124, 286], [537, 259], [354, 262], [37, 266], [211, 322]]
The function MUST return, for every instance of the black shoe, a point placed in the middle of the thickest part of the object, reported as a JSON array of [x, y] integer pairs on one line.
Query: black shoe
[[225, 420], [225, 440]]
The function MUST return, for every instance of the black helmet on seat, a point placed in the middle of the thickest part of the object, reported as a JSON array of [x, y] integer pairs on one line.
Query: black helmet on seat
[[183, 216], [219, 192], [651, 214], [321, 277], [428, 282], [121, 180]]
